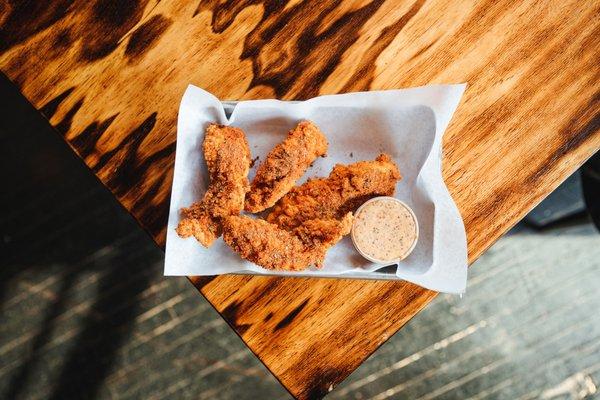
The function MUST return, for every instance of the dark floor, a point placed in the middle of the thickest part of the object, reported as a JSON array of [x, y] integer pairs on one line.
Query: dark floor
[[86, 313]]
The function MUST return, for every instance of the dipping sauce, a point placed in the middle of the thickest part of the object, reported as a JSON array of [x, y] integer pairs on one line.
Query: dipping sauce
[[384, 230]]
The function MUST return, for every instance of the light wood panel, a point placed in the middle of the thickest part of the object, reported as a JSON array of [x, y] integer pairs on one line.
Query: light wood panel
[[109, 76]]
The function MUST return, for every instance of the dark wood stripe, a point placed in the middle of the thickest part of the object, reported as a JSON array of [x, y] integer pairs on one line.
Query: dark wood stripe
[[290, 316], [86, 141], [65, 123], [24, 19], [49, 109], [106, 23], [127, 148], [231, 315], [574, 136], [146, 36], [201, 281], [365, 71]]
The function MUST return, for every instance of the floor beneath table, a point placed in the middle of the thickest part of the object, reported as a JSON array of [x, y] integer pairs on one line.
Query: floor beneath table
[[86, 313]]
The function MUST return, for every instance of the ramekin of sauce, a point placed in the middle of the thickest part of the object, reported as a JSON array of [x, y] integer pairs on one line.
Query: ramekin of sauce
[[385, 230]]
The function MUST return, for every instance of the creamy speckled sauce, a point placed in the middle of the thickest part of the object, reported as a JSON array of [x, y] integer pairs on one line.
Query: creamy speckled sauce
[[384, 230]]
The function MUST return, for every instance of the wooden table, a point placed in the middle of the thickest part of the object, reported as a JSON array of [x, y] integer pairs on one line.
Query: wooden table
[[109, 76]]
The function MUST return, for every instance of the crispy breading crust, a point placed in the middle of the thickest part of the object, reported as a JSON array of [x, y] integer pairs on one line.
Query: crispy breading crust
[[284, 165], [346, 188], [227, 156], [271, 247]]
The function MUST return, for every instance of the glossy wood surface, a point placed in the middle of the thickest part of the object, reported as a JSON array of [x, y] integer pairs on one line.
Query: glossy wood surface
[[109, 75]]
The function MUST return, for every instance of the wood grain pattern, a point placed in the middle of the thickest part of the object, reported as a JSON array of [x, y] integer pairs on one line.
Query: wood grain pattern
[[109, 76]]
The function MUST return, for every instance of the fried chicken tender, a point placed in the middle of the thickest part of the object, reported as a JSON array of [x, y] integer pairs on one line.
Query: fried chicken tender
[[346, 188], [227, 156], [284, 165], [271, 247]]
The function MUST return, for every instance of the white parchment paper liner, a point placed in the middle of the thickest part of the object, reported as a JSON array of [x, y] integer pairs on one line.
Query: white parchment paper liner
[[408, 124]]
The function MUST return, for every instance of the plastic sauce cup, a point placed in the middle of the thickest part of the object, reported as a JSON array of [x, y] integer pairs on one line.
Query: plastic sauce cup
[[385, 230]]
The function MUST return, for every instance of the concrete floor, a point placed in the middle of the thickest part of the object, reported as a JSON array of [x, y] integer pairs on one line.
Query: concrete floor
[[86, 313]]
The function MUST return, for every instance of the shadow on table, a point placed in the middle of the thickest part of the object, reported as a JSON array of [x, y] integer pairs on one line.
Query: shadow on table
[[58, 221]]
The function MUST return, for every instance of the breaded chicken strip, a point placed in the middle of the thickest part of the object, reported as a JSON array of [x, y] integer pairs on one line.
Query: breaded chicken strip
[[228, 158], [321, 234], [346, 188], [284, 165], [271, 247]]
